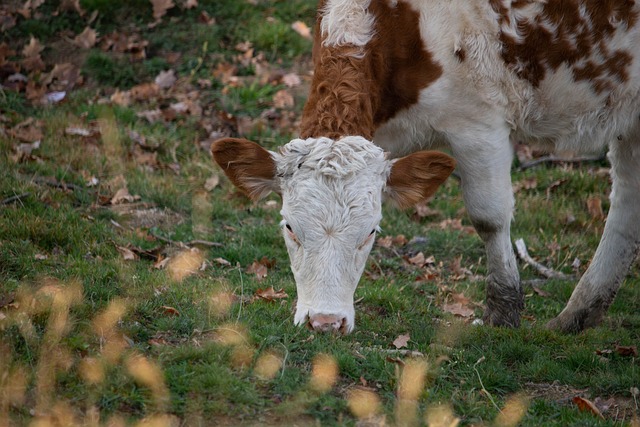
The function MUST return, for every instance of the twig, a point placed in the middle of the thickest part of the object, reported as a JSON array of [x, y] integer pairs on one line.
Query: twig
[[187, 244], [56, 184], [553, 159], [521, 248], [482, 385], [14, 199], [205, 243]]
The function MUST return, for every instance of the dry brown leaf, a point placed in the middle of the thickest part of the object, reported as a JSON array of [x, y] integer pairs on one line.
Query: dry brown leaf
[[121, 98], [72, 5], [160, 8], [145, 91], [418, 259], [594, 207], [271, 294], [206, 19], [127, 254], [630, 350], [283, 99], [587, 406], [291, 80], [260, 270], [222, 261], [212, 182], [86, 39], [123, 196], [169, 311], [401, 341], [302, 29], [424, 210], [161, 262], [166, 79], [190, 4], [32, 49], [458, 309]]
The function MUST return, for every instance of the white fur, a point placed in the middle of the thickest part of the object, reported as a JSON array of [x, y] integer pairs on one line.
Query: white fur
[[346, 22], [332, 195]]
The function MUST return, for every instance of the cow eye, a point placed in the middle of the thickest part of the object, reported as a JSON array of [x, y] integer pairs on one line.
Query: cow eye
[[372, 232], [288, 227]]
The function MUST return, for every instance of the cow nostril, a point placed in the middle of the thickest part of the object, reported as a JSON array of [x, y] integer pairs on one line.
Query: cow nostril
[[327, 323]]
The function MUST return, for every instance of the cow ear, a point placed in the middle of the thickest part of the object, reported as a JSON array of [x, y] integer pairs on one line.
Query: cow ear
[[250, 167], [416, 177]]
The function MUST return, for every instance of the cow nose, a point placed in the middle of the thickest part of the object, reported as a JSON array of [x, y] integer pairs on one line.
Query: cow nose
[[327, 322]]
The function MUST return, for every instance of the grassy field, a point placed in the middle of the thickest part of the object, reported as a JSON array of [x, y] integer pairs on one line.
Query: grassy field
[[137, 287]]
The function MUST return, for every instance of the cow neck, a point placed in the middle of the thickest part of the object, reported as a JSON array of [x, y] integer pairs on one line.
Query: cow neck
[[342, 99]]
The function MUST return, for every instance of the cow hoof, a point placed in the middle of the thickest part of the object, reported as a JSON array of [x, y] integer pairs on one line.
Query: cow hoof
[[509, 319], [575, 321]]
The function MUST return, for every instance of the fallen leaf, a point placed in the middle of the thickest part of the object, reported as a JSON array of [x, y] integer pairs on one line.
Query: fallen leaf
[[160, 8], [258, 269], [594, 207], [211, 182], [283, 99], [206, 19], [40, 257], [190, 4], [145, 91], [32, 49], [123, 196], [169, 311], [161, 262], [401, 341], [458, 309], [302, 29], [271, 294], [127, 254], [631, 350], [86, 39], [166, 79], [291, 80], [385, 242], [586, 405], [222, 261]]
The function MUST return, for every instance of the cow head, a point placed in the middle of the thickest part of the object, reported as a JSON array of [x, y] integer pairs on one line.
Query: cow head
[[332, 193]]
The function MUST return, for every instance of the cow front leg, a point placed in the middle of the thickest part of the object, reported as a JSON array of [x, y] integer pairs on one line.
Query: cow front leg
[[485, 169], [617, 249]]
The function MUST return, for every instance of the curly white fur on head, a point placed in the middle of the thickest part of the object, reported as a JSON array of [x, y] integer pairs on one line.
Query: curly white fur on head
[[332, 197]]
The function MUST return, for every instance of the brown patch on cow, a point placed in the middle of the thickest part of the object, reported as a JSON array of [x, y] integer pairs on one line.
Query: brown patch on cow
[[353, 94], [416, 177], [248, 166], [560, 35]]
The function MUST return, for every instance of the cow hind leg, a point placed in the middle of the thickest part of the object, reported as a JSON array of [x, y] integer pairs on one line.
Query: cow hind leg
[[618, 246], [486, 187]]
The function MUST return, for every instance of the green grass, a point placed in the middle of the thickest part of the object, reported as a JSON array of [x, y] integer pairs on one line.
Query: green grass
[[211, 355]]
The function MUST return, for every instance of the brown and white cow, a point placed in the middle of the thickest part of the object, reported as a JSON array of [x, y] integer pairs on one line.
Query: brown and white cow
[[399, 76]]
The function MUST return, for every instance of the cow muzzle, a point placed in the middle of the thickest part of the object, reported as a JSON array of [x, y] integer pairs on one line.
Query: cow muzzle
[[328, 323]]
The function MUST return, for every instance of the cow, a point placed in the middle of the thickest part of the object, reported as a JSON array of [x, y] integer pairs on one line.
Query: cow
[[395, 77]]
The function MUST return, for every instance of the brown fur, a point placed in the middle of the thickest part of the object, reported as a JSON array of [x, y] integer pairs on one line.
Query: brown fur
[[354, 95], [248, 166], [416, 177], [544, 51]]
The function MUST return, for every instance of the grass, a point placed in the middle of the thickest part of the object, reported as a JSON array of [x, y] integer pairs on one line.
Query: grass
[[87, 334]]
